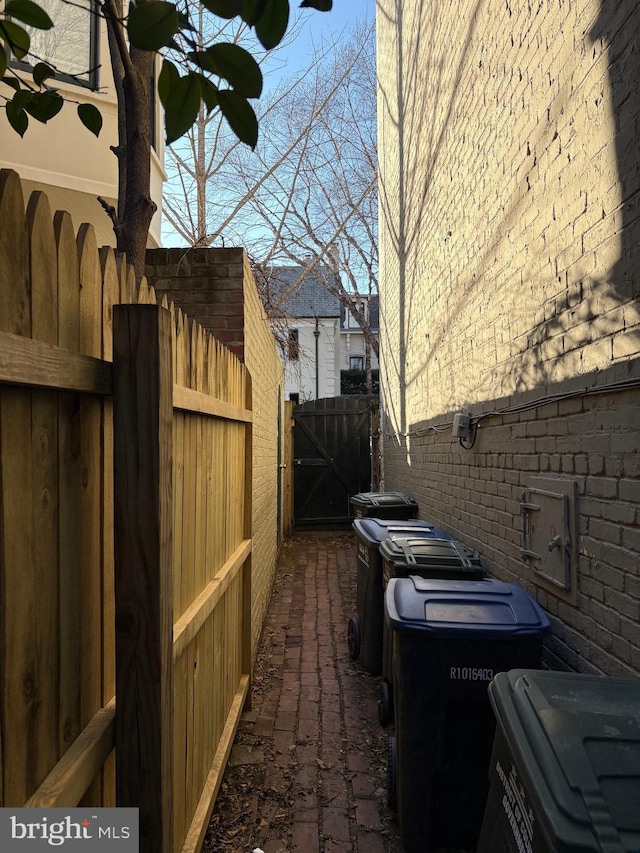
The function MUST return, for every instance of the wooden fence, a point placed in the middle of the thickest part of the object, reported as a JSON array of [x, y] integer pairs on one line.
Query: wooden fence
[[125, 540]]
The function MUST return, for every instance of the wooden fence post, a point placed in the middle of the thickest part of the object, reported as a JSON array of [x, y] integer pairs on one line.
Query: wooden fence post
[[143, 458]]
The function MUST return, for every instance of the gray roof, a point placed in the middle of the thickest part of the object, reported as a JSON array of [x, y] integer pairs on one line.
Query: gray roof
[[309, 299]]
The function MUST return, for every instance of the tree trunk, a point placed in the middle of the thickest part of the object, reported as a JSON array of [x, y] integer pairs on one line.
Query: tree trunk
[[132, 74], [138, 207]]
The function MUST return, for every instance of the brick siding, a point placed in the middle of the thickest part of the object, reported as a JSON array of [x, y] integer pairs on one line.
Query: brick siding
[[510, 174]]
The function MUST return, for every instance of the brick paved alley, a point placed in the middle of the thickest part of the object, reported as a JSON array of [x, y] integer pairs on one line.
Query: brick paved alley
[[308, 768]]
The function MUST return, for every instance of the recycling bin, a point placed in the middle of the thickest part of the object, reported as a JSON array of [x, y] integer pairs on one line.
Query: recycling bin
[[565, 768], [384, 505], [364, 632], [402, 557], [450, 639]]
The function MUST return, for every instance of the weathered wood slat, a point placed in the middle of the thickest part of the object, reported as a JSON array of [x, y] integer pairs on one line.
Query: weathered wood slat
[[67, 783], [40, 365]]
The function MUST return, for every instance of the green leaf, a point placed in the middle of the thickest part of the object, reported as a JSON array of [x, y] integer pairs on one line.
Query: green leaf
[[240, 115], [273, 23], [3, 61], [169, 77], [90, 117], [320, 5], [17, 38], [29, 13], [152, 25], [21, 99], [253, 10], [44, 106], [181, 107], [12, 82], [209, 92], [235, 64], [42, 72], [224, 8], [17, 117]]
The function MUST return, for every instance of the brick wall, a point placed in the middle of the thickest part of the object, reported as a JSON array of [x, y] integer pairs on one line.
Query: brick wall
[[510, 172], [216, 288]]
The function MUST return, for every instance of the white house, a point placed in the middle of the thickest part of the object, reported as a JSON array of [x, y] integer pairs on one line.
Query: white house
[[321, 337]]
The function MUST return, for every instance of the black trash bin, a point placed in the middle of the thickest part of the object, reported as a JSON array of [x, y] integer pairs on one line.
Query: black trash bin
[[450, 638], [565, 768], [383, 505], [427, 559], [364, 631]]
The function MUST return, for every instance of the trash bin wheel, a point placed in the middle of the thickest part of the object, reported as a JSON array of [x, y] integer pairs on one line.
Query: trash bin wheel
[[385, 703], [353, 637], [392, 769]]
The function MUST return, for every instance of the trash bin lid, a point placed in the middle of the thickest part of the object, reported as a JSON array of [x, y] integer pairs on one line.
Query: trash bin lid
[[383, 499], [412, 553], [486, 608], [578, 739], [373, 531]]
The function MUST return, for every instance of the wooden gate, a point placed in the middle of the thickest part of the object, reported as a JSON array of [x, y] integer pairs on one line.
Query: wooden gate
[[332, 458]]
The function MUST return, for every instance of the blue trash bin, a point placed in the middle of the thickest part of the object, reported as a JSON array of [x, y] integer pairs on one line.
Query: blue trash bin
[[450, 638], [384, 505], [428, 559], [364, 631]]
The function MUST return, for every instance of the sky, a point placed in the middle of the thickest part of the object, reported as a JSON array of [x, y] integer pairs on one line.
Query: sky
[[325, 26], [317, 28]]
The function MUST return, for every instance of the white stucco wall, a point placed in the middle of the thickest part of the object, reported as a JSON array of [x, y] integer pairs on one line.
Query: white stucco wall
[[300, 374], [65, 155]]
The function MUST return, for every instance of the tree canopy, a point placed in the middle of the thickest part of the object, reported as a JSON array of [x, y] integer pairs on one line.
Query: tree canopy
[[218, 76]]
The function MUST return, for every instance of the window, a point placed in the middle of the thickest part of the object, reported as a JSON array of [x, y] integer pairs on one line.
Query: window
[[293, 345], [350, 321], [71, 45], [356, 362]]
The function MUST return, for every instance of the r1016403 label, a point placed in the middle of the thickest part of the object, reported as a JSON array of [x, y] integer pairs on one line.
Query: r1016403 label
[[470, 673]]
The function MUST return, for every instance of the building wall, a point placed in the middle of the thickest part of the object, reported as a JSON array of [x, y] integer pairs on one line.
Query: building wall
[[510, 178], [73, 166], [352, 344], [216, 288], [301, 373]]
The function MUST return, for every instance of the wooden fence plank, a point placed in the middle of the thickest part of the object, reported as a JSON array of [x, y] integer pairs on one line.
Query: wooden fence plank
[[110, 297], [143, 522], [200, 822], [189, 624], [39, 365], [18, 619], [90, 521], [43, 275], [14, 257], [65, 786], [69, 488]]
